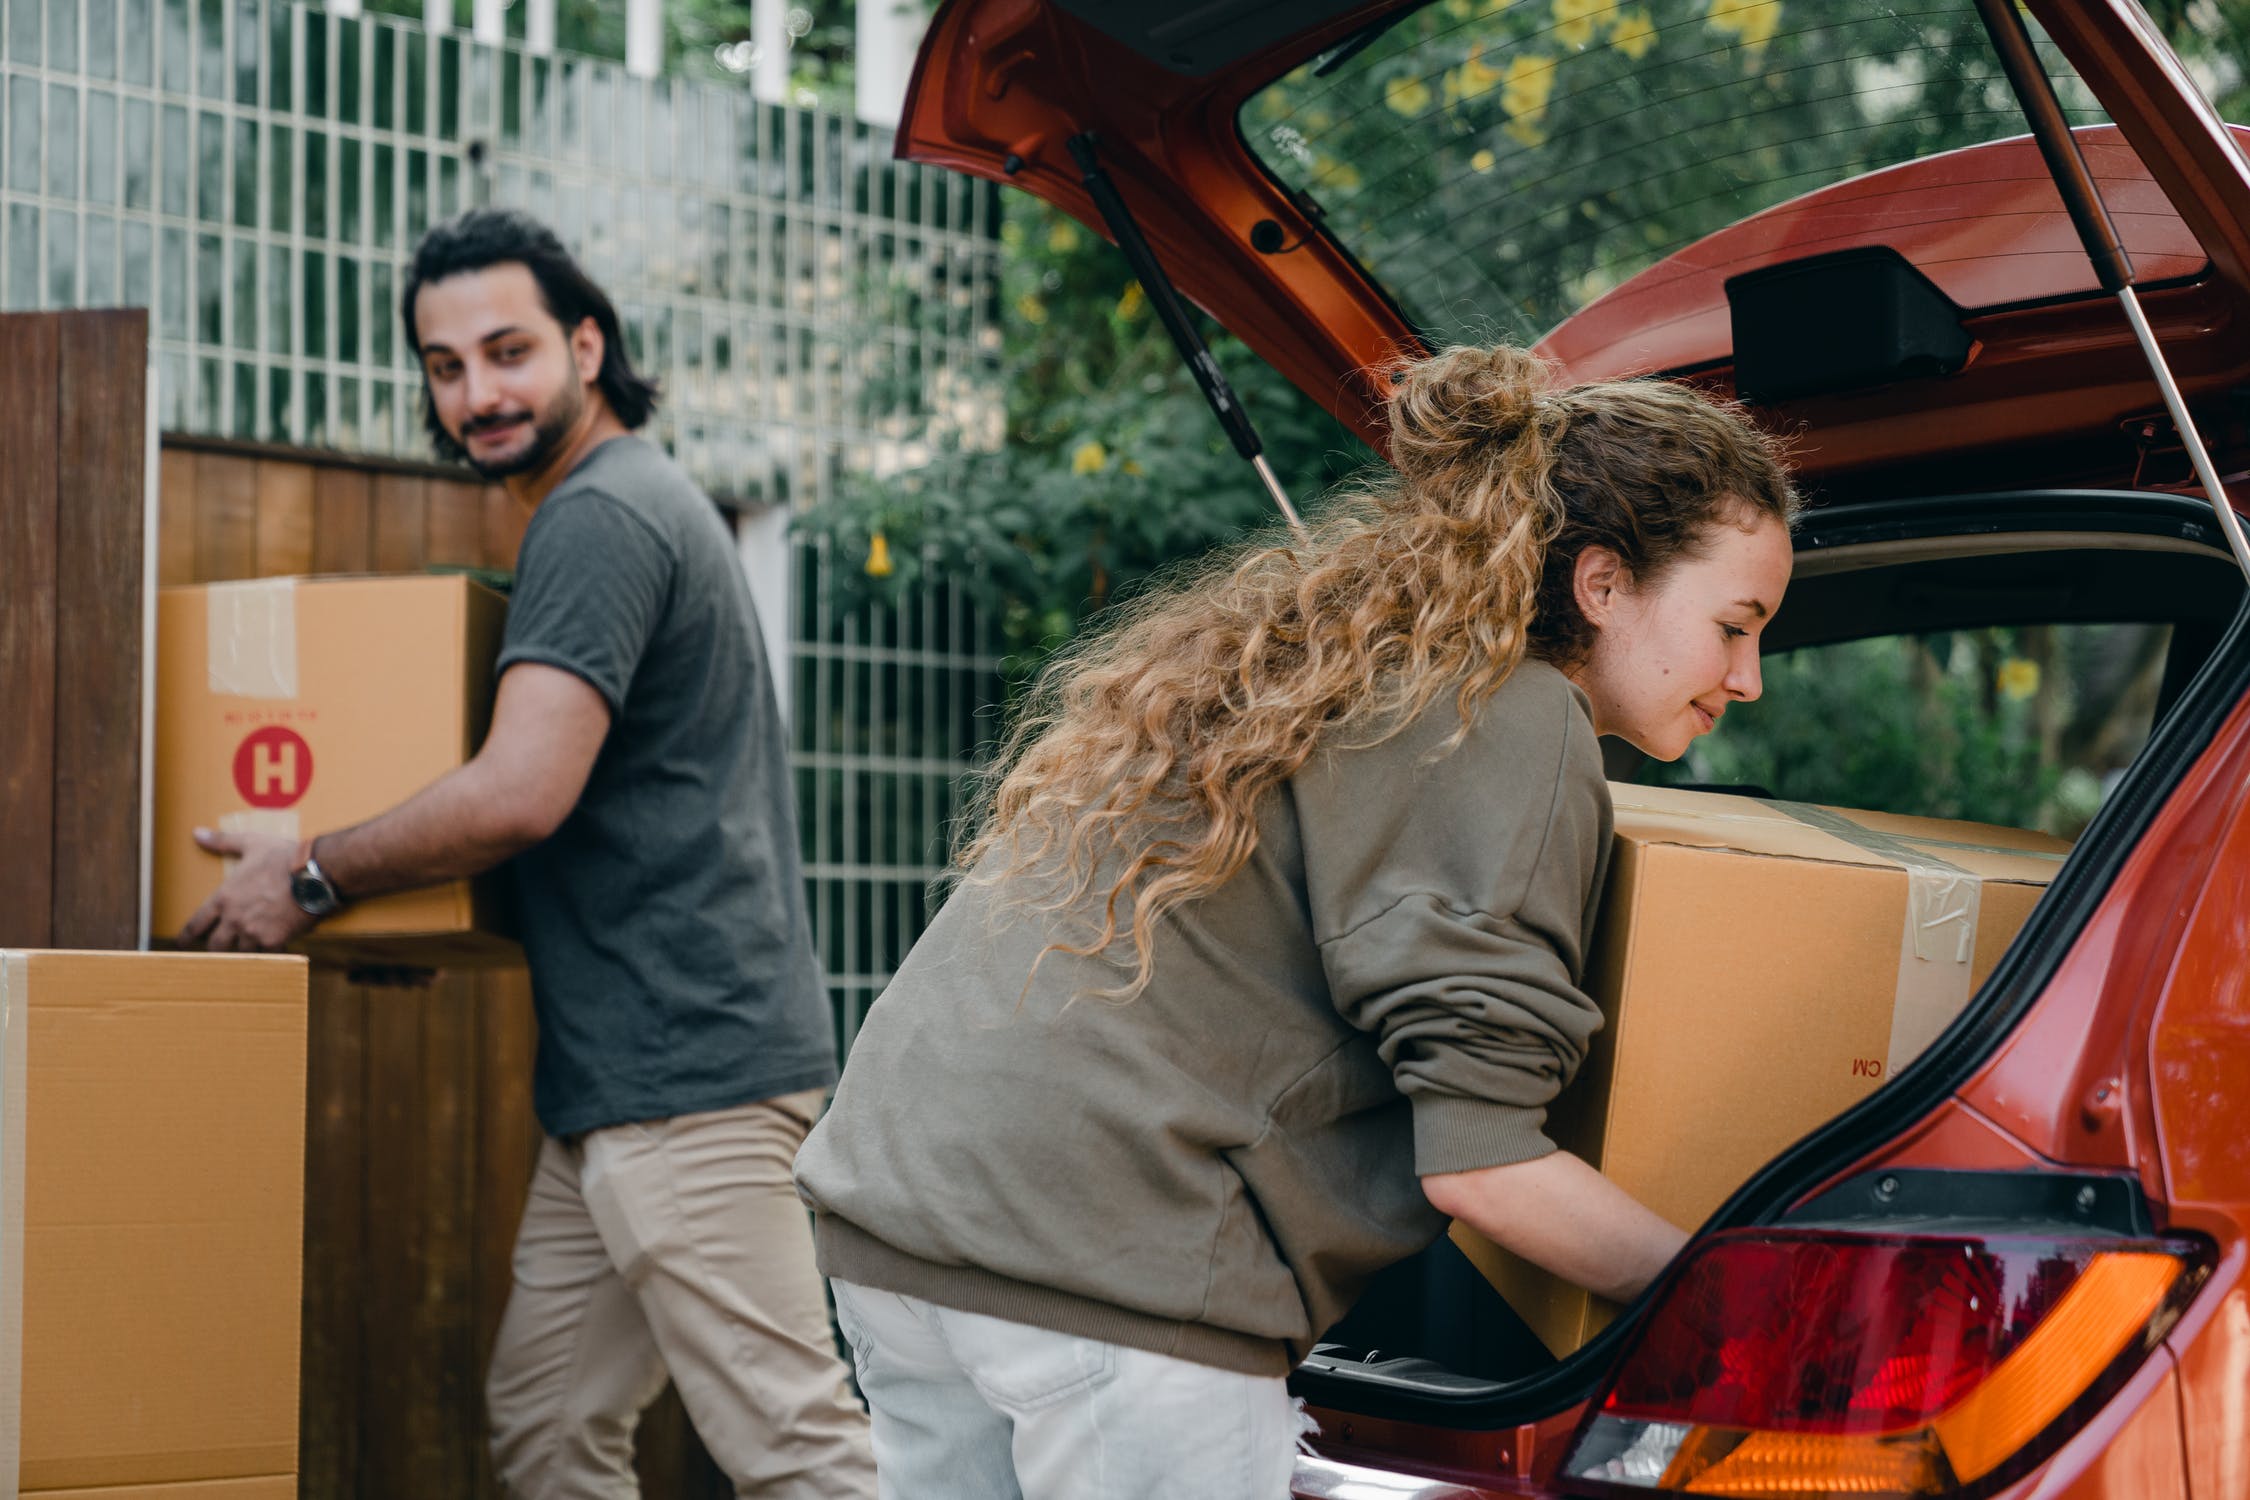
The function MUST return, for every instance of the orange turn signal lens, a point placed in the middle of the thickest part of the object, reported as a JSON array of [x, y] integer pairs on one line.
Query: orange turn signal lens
[[1793, 1463], [2104, 1310]]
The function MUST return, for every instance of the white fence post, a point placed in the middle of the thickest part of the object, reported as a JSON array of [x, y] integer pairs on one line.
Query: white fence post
[[539, 27], [887, 34], [769, 29], [644, 37]]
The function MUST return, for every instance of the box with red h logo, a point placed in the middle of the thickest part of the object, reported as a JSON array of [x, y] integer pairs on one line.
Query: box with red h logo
[[296, 706]]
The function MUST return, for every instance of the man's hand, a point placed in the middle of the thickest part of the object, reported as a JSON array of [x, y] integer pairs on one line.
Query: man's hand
[[253, 911]]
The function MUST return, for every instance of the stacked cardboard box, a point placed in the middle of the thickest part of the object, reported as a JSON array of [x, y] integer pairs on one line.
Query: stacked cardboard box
[[151, 1225], [301, 706], [1761, 967]]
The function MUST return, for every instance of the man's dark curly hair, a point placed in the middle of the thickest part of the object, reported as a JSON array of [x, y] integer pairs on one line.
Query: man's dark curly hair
[[496, 236]]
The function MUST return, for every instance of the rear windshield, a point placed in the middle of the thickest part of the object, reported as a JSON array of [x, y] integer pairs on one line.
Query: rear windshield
[[1498, 164]]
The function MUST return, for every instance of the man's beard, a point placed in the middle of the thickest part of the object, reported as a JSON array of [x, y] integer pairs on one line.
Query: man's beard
[[548, 430]]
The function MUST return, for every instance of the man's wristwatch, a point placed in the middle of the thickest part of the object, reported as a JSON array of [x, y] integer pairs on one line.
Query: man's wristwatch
[[315, 894]]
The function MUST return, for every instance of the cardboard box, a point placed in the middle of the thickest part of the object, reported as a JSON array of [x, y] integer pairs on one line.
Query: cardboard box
[[1761, 967], [303, 705], [264, 1487], [152, 1115]]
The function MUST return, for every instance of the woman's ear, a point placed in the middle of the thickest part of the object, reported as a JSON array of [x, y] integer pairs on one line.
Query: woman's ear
[[1598, 580]]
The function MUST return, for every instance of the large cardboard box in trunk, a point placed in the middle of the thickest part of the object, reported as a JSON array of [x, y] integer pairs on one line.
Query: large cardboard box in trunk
[[303, 705], [152, 1116], [1761, 966]]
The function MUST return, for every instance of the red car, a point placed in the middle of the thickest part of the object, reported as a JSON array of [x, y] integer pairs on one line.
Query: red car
[[1920, 238]]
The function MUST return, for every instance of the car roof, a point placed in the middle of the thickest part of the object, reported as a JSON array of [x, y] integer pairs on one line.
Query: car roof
[[1003, 85]]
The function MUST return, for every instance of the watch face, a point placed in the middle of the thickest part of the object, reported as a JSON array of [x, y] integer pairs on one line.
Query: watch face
[[313, 895]]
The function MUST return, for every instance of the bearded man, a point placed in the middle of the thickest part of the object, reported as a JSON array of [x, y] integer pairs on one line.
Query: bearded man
[[635, 778]]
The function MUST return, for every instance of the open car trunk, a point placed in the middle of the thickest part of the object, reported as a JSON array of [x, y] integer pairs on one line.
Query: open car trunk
[[2128, 596]]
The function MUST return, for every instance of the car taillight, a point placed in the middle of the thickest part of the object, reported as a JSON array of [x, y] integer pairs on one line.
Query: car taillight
[[1831, 1363]]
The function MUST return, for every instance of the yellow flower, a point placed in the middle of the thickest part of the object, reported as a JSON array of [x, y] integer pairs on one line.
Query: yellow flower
[[1132, 304], [879, 556], [1482, 161], [2019, 678], [1475, 76], [1063, 238], [1133, 467], [1088, 457], [1750, 22], [1031, 309], [1575, 20], [1407, 96], [1633, 35], [1524, 131], [1529, 81], [1341, 176]]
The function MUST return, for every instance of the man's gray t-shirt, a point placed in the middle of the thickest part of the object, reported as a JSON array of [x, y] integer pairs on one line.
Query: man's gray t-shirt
[[672, 967]]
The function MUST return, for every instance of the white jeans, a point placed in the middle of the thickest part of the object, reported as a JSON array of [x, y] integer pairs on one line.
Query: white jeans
[[968, 1407]]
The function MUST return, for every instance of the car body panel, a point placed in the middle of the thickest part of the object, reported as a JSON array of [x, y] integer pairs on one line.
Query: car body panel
[[1985, 224], [1002, 79], [2131, 1447], [2213, 1353]]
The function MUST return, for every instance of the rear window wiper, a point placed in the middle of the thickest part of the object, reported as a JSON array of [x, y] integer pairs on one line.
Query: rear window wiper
[[1359, 41]]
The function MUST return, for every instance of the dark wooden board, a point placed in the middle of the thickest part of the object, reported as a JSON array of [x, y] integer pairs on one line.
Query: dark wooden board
[[30, 410], [331, 1422], [101, 522]]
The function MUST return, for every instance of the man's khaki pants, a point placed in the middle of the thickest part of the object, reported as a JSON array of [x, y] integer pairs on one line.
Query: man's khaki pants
[[677, 1247]]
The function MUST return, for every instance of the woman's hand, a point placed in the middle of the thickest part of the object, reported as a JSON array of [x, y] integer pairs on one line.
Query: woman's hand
[[1562, 1216]]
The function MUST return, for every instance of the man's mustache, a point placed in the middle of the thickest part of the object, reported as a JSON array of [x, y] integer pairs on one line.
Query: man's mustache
[[486, 424]]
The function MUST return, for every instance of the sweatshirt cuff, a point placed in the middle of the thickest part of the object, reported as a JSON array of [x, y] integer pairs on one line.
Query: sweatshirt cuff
[[1456, 1134]]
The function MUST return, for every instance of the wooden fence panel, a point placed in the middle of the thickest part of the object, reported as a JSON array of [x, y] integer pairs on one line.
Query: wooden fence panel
[[331, 1416], [100, 540], [343, 521], [402, 522], [30, 408], [226, 517], [285, 520], [73, 518], [175, 517]]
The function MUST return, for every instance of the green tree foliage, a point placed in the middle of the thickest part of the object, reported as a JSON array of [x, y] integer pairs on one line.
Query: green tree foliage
[[2022, 727], [1112, 467], [1502, 164]]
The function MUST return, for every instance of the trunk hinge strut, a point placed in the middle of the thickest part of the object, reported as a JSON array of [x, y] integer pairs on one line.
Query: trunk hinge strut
[[2035, 92], [1172, 312]]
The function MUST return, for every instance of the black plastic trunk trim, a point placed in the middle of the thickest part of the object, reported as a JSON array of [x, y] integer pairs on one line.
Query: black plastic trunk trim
[[1930, 1199]]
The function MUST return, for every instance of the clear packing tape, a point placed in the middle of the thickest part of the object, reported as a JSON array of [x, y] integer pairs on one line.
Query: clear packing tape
[[252, 645], [1938, 939]]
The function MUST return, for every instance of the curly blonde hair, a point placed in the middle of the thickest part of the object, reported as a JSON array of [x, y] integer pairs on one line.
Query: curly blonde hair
[[1133, 774]]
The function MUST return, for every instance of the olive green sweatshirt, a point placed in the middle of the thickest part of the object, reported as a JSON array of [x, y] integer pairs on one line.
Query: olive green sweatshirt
[[1388, 988]]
